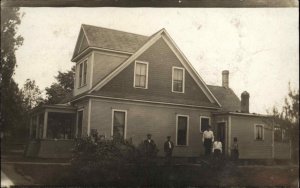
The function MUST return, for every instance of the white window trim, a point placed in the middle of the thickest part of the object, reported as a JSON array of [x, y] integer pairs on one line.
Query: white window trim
[[80, 85], [187, 132], [200, 122], [81, 109], [112, 121], [147, 67], [263, 132], [183, 79]]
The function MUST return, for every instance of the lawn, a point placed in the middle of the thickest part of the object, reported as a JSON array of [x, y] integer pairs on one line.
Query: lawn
[[177, 175]]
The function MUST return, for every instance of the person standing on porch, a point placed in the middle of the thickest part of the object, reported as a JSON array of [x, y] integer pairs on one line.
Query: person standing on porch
[[207, 139], [168, 148]]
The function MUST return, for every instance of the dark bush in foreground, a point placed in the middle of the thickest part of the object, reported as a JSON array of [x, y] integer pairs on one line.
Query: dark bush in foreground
[[110, 162]]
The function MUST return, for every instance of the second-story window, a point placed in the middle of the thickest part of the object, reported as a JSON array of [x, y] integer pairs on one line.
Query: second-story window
[[82, 73], [178, 80], [141, 75]]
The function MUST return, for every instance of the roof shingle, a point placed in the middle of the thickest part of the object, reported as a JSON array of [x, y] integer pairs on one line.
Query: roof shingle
[[113, 39], [229, 101]]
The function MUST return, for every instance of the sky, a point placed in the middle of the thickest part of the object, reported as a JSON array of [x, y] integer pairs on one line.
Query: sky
[[259, 46]]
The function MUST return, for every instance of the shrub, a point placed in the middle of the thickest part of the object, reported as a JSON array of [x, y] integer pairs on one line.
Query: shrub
[[101, 160]]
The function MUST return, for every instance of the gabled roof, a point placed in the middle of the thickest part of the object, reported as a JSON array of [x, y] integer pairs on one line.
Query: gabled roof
[[151, 40], [228, 99], [110, 39]]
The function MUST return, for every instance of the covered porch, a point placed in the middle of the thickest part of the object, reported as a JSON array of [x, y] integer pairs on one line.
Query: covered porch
[[52, 131]]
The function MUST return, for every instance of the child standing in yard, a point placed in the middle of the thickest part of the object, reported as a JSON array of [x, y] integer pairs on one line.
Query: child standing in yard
[[235, 149]]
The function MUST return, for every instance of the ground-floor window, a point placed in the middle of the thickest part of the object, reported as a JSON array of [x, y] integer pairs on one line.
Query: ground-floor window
[[182, 130], [119, 124], [259, 132], [204, 123]]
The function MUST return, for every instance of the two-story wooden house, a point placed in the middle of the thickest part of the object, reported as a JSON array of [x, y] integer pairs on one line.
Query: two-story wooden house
[[130, 85]]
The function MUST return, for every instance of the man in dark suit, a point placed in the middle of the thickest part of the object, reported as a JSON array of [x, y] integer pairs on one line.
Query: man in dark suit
[[149, 147], [168, 148]]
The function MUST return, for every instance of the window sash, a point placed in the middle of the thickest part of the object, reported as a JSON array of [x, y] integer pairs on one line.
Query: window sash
[[80, 74], [141, 75], [119, 124], [182, 130], [178, 79], [204, 123], [85, 72], [259, 132]]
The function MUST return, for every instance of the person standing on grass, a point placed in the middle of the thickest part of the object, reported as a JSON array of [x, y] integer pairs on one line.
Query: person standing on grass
[[235, 149], [207, 139], [149, 147], [217, 149], [168, 148]]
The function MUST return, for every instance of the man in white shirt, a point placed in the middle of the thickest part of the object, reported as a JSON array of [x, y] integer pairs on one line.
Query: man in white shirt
[[207, 139]]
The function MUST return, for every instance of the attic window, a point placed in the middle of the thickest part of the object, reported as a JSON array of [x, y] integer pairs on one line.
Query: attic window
[[178, 80], [82, 73], [141, 75]]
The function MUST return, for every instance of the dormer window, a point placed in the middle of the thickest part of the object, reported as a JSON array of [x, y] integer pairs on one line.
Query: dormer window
[[178, 78], [82, 73], [141, 75]]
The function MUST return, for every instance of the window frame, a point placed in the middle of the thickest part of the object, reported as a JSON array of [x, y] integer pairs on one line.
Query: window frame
[[209, 120], [187, 131], [82, 73], [77, 122], [112, 121], [134, 75], [183, 79], [255, 132]]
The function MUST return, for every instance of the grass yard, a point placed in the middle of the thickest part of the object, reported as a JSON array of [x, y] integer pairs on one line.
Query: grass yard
[[179, 175]]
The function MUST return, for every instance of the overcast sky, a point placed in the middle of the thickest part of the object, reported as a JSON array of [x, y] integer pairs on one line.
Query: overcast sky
[[259, 46]]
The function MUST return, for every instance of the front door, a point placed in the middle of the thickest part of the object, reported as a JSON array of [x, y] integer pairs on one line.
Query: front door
[[221, 134]]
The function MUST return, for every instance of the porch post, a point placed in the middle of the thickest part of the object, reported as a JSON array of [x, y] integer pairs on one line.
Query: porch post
[[37, 126], [45, 124]]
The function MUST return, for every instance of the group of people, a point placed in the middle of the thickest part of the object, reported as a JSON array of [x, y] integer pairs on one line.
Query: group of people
[[214, 146], [211, 145]]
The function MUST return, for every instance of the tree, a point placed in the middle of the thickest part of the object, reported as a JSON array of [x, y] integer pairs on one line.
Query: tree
[[62, 89], [12, 113], [31, 94], [288, 119]]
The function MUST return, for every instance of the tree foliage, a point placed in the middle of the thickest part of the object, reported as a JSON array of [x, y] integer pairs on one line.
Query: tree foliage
[[288, 119], [62, 88], [13, 116], [31, 94]]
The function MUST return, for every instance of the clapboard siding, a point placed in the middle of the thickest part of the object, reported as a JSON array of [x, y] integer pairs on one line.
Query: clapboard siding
[[242, 127], [282, 150], [161, 60], [158, 120], [104, 64]]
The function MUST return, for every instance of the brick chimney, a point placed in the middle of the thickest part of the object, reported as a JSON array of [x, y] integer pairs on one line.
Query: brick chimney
[[225, 78], [245, 102]]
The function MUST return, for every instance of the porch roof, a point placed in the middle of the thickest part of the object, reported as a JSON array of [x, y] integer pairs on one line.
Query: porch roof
[[54, 107]]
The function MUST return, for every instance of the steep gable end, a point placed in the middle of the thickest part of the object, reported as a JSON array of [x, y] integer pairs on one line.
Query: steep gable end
[[81, 44], [160, 59], [162, 34]]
